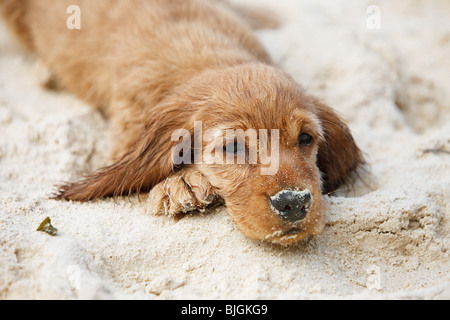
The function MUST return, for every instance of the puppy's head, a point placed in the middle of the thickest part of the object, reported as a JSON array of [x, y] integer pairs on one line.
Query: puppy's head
[[269, 149]]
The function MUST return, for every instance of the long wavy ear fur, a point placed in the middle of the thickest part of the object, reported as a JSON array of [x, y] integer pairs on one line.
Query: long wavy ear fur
[[147, 163], [339, 157]]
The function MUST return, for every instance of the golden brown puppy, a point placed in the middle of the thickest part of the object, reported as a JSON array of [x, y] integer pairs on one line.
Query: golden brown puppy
[[162, 67]]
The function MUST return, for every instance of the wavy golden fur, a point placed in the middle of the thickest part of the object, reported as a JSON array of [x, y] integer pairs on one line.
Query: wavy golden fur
[[155, 66]]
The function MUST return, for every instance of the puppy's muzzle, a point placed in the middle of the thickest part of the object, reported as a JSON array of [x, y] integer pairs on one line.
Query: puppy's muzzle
[[292, 206]]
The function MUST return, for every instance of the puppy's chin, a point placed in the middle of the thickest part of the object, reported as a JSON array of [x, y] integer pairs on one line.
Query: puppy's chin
[[265, 225], [295, 234]]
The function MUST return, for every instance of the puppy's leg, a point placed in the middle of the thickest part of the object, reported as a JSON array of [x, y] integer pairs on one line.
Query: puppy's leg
[[127, 127], [15, 15], [183, 192]]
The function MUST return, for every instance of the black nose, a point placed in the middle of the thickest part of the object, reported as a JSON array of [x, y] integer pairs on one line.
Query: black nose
[[292, 206]]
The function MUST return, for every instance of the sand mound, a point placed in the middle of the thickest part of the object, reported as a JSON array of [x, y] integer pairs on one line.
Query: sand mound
[[388, 238]]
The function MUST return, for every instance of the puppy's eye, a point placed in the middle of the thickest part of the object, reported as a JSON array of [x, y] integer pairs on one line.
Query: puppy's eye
[[234, 148], [305, 139]]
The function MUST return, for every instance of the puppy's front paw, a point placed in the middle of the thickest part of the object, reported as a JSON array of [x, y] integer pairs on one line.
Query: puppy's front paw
[[182, 193]]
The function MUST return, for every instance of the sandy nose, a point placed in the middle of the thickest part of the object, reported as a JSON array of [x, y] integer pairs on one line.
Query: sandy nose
[[292, 206]]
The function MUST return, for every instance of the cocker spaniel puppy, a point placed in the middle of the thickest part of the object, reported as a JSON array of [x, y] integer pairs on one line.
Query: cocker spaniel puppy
[[176, 77]]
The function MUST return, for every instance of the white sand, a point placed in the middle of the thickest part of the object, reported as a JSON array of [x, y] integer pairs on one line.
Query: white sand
[[387, 240]]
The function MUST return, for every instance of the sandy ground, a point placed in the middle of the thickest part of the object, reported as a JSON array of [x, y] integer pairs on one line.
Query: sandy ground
[[389, 238]]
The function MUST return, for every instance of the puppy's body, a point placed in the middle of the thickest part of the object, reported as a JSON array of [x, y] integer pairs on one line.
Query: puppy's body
[[129, 55], [155, 66]]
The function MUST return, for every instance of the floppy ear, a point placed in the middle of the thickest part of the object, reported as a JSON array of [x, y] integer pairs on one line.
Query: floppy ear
[[339, 157], [146, 163]]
